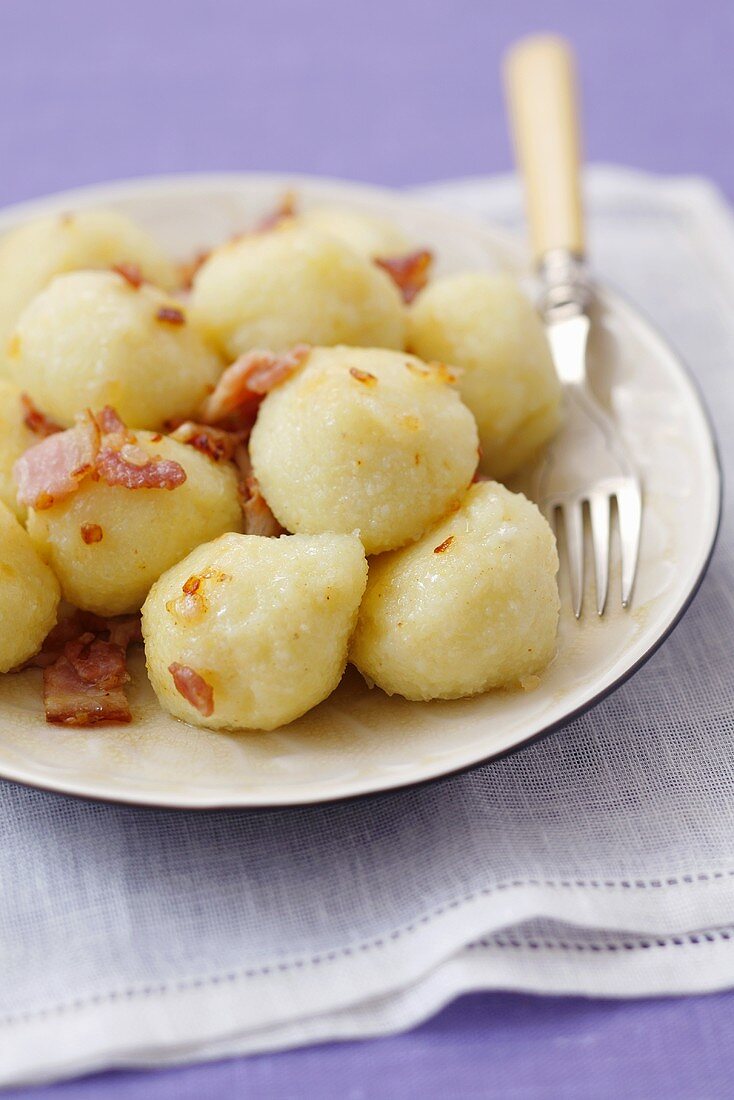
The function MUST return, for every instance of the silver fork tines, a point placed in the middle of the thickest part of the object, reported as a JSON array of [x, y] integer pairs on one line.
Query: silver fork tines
[[586, 469]]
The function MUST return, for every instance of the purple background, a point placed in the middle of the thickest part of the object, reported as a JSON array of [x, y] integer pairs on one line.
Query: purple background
[[396, 92]]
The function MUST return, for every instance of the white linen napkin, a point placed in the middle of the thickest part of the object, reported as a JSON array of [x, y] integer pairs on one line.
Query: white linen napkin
[[599, 861]]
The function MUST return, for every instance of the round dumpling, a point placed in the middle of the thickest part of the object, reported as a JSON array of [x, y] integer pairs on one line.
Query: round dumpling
[[364, 440], [91, 339], [472, 606], [15, 438], [107, 543], [29, 594], [291, 285], [366, 234], [33, 253], [485, 325], [250, 632]]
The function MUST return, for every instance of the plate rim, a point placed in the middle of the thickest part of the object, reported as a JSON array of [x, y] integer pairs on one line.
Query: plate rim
[[14, 212]]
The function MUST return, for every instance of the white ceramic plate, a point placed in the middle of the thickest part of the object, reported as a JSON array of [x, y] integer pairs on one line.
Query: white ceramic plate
[[361, 741]]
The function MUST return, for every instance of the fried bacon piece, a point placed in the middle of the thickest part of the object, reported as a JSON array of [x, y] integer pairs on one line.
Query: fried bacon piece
[[215, 443], [170, 315], [123, 630], [37, 421], [53, 469], [241, 388], [285, 209], [84, 669], [193, 687], [126, 467], [259, 520], [409, 273], [97, 446], [85, 686], [131, 273]]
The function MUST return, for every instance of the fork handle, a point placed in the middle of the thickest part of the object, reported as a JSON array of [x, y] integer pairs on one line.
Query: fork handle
[[541, 93]]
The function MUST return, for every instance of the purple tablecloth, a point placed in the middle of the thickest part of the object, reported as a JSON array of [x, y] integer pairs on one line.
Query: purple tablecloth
[[397, 92]]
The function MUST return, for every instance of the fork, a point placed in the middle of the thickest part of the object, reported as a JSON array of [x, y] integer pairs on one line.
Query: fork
[[586, 471]]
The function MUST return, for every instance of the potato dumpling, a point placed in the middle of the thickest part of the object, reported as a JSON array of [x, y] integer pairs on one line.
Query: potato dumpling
[[485, 325], [29, 594], [291, 285], [366, 234], [250, 632], [472, 606], [15, 438], [92, 339], [107, 543], [33, 253], [364, 440]]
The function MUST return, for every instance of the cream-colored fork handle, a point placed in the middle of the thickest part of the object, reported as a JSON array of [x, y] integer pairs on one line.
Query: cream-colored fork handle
[[541, 93]]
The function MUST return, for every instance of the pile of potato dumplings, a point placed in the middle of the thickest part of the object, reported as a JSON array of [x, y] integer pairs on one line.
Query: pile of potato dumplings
[[400, 555]]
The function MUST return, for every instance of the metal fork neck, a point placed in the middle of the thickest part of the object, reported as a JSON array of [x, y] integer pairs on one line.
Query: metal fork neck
[[566, 290]]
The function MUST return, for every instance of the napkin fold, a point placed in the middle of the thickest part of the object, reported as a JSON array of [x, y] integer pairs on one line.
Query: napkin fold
[[599, 861]]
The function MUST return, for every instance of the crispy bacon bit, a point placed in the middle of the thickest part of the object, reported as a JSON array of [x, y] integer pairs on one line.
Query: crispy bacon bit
[[131, 273], [409, 273], [37, 421], [193, 687], [97, 446], [444, 545], [259, 520], [52, 469], [123, 631], [242, 387], [85, 685], [169, 315], [116, 468], [109, 422], [190, 268], [215, 443], [285, 209], [84, 671], [363, 376], [156, 438], [193, 584], [91, 532]]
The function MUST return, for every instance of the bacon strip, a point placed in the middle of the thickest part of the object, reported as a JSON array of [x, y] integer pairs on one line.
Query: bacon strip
[[409, 273], [97, 446], [131, 273], [241, 388], [37, 421], [53, 469], [215, 443], [123, 630], [116, 468], [85, 685], [193, 687], [84, 669], [259, 520]]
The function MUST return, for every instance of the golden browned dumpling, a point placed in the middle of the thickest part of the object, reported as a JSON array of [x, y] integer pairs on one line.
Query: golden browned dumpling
[[92, 339], [485, 325], [15, 437], [250, 632], [108, 543], [473, 605], [29, 594], [32, 254], [294, 284], [366, 440]]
